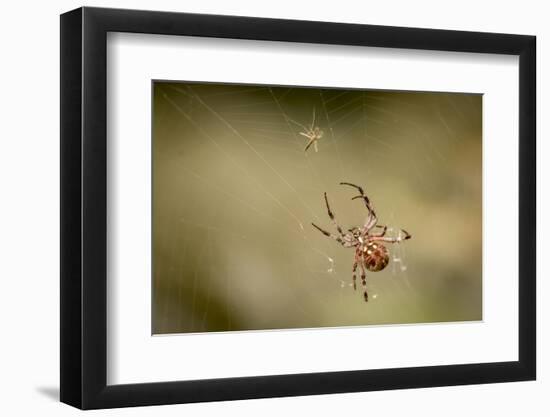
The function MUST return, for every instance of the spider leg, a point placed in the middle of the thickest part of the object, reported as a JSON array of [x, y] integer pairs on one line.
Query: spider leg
[[355, 269], [370, 222], [364, 281], [355, 186], [313, 120], [371, 218], [397, 239], [337, 238], [382, 233], [332, 219]]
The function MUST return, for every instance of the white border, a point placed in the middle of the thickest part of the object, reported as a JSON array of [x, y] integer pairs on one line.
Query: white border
[[134, 356]]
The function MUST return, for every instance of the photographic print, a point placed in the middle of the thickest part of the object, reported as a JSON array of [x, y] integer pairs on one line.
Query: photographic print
[[290, 207]]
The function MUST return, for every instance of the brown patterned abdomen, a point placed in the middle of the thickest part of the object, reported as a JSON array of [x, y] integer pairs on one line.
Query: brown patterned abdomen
[[376, 256]]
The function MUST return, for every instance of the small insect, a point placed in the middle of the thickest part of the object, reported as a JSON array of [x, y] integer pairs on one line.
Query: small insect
[[312, 133], [370, 252]]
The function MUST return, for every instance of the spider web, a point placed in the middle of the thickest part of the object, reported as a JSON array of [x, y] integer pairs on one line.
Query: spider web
[[234, 245]]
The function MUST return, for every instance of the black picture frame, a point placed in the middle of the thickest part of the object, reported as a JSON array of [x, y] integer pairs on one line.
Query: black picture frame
[[84, 207]]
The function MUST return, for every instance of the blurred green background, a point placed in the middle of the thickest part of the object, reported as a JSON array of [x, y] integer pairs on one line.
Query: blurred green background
[[234, 195]]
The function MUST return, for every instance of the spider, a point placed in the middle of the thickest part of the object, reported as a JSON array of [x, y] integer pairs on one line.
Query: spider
[[370, 252], [313, 133]]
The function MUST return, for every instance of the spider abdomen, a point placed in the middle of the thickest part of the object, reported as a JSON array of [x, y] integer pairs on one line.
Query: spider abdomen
[[375, 256]]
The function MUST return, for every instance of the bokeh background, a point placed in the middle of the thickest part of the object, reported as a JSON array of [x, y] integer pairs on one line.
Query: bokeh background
[[234, 195]]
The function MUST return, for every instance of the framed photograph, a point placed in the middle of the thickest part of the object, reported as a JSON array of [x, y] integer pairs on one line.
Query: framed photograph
[[257, 207]]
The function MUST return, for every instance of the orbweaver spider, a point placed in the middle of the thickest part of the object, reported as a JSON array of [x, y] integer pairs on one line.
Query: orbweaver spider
[[370, 252]]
